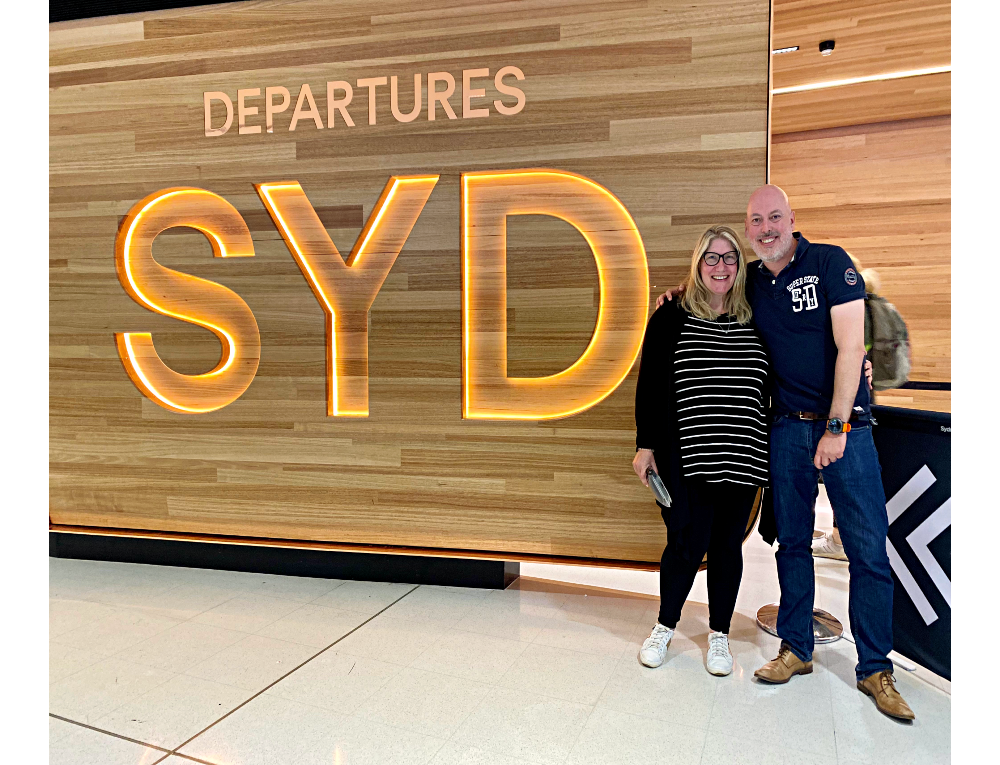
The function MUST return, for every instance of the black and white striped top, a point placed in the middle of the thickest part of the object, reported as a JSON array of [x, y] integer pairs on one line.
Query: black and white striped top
[[719, 372]]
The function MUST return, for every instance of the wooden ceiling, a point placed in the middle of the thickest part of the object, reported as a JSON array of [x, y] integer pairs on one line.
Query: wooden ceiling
[[872, 37]]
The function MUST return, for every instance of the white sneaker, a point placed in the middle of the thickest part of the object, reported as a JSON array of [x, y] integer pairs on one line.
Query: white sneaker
[[826, 547], [654, 648], [720, 660]]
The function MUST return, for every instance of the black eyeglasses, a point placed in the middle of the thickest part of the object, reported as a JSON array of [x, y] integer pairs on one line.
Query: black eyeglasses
[[729, 258]]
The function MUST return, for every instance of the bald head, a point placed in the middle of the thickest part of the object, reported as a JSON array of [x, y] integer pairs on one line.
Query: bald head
[[769, 224], [769, 197]]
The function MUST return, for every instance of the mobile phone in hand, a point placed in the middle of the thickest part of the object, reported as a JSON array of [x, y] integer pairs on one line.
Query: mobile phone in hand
[[658, 487]]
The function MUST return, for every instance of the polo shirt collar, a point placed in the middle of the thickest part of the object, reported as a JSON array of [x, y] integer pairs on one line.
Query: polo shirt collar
[[800, 248]]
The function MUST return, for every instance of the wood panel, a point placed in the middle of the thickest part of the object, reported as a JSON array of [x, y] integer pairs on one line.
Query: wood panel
[[883, 192], [662, 102], [862, 104], [872, 37]]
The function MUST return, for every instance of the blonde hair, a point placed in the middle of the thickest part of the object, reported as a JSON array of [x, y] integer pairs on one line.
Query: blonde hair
[[873, 282], [696, 297]]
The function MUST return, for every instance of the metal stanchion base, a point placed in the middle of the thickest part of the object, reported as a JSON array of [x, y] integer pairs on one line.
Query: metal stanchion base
[[826, 627]]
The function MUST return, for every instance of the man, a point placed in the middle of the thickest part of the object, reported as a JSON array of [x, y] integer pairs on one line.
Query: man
[[808, 303]]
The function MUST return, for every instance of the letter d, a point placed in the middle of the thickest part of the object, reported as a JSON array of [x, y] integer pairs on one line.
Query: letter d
[[487, 199]]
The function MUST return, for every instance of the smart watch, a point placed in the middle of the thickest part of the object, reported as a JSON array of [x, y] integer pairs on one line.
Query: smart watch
[[836, 426]]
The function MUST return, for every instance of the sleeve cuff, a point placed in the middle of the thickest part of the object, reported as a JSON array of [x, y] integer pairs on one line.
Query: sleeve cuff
[[845, 299]]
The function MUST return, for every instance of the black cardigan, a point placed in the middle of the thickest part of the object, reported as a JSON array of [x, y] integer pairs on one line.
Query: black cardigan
[[656, 420]]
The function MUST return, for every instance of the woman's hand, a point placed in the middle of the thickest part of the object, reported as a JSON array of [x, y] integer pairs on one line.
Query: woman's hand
[[644, 461], [671, 294]]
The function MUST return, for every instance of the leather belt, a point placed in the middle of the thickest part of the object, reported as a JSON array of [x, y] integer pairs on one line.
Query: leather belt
[[815, 415]]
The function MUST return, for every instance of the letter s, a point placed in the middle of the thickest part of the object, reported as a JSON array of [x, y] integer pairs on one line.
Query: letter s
[[188, 298]]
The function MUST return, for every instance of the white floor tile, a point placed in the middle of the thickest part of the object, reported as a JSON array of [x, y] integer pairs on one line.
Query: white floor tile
[[622, 609], [777, 714], [599, 636], [182, 647], [115, 632], [68, 614], [524, 725], [253, 663], [391, 639], [512, 618], [525, 599], [171, 713], [98, 689], [513, 677], [423, 702], [81, 746], [662, 693], [482, 658], [187, 600], [364, 742], [562, 674], [71, 579], [65, 661], [303, 589], [613, 738], [130, 588], [313, 625], [59, 729], [460, 754], [336, 681], [447, 605], [267, 731], [724, 749], [864, 735], [247, 613], [367, 598]]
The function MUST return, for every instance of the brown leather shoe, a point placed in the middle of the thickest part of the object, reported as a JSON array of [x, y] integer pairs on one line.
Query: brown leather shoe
[[880, 687], [781, 669]]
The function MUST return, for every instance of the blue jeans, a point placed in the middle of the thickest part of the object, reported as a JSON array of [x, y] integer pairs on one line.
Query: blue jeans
[[854, 486]]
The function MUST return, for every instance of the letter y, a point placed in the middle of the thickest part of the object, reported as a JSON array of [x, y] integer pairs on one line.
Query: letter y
[[346, 291]]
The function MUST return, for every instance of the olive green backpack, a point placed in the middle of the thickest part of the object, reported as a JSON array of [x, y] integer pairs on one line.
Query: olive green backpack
[[887, 342]]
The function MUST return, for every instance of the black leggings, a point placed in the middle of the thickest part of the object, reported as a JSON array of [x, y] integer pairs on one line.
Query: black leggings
[[719, 513]]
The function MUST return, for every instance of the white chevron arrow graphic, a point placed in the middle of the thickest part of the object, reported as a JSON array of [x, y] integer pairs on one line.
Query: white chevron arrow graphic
[[922, 536], [895, 507]]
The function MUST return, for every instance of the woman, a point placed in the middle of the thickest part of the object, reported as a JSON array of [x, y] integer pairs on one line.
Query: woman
[[700, 408]]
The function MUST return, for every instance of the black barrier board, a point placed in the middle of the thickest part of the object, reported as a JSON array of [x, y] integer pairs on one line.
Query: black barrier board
[[914, 449]]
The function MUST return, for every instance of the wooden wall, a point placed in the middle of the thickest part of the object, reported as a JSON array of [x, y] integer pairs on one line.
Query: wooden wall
[[662, 102], [872, 38], [883, 192], [868, 166]]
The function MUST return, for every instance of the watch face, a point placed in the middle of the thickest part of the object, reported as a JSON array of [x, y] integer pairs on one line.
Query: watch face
[[834, 425]]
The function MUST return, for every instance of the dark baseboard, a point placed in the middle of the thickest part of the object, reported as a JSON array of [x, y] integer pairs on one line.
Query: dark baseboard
[[70, 10], [324, 564]]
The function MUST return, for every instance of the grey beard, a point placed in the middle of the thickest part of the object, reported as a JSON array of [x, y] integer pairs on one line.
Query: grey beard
[[777, 255]]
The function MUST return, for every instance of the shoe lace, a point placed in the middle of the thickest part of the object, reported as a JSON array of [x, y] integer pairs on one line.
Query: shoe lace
[[659, 635], [718, 646], [888, 680]]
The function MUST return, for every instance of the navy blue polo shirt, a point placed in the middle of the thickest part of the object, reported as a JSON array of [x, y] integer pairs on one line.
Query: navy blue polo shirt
[[792, 312]]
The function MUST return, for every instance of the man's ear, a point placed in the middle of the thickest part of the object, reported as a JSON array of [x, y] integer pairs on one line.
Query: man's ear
[[791, 218]]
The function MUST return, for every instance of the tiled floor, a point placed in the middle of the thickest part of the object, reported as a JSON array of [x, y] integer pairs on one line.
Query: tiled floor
[[165, 665]]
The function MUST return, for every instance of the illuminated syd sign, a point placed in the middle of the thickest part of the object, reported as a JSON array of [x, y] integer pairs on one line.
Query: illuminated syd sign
[[346, 289]]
